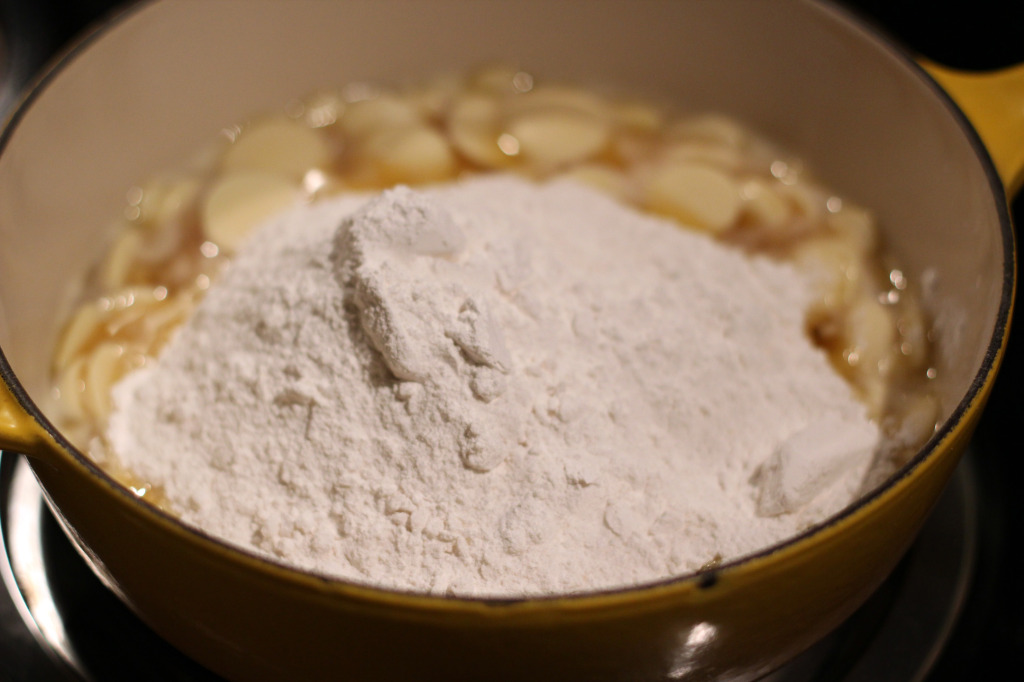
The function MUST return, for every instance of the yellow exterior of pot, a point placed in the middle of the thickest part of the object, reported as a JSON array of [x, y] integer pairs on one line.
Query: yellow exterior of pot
[[994, 103], [18, 431], [774, 605]]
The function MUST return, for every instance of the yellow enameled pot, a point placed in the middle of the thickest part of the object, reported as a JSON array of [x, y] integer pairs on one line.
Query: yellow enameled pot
[[165, 76]]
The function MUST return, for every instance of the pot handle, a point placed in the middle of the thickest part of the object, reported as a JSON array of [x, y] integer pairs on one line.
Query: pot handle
[[19, 431], [994, 103]]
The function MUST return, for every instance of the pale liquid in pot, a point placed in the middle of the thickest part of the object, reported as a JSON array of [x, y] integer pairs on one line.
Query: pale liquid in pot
[[706, 171]]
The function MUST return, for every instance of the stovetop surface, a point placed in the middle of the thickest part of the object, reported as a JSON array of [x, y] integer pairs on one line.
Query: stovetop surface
[[951, 611]]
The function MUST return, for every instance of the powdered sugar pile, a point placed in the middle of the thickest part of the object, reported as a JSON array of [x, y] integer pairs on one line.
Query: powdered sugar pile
[[494, 388]]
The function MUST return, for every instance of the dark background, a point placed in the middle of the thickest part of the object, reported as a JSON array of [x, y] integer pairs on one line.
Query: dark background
[[984, 34]]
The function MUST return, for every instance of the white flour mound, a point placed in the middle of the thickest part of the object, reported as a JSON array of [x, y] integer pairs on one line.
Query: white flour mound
[[495, 388]]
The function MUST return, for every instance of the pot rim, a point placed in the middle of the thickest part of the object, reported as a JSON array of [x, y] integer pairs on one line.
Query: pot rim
[[704, 579]]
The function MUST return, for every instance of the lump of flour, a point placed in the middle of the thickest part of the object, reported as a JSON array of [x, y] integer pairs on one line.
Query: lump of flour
[[494, 388]]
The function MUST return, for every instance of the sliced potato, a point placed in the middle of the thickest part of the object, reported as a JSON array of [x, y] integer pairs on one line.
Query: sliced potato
[[638, 116], [78, 333], [323, 108], [164, 198], [551, 139], [709, 128], [696, 195], [703, 153], [161, 321], [132, 304], [856, 226], [277, 145], [605, 178], [432, 98], [103, 368], [836, 273], [808, 201], [412, 155], [384, 112], [120, 260], [868, 334], [551, 98], [70, 388], [912, 328], [240, 201], [763, 205], [473, 128]]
